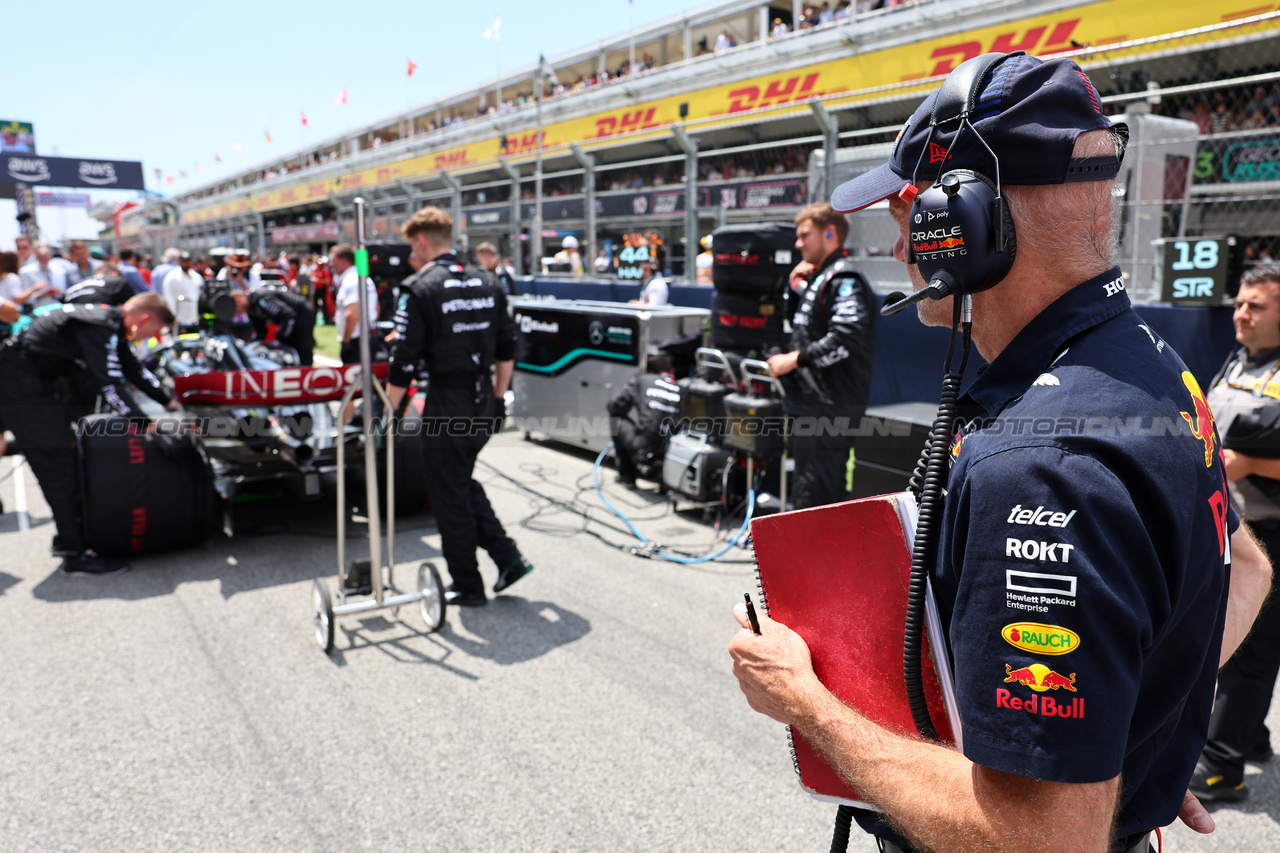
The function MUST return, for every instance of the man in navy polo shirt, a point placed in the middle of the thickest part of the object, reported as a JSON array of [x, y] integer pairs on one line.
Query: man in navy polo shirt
[[1086, 538]]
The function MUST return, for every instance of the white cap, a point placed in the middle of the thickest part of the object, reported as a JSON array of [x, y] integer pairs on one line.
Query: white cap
[[570, 242]]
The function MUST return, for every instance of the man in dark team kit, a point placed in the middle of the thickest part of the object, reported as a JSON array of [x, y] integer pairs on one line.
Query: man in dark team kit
[[50, 371], [1129, 530], [99, 289], [827, 374], [637, 413], [278, 314], [454, 319]]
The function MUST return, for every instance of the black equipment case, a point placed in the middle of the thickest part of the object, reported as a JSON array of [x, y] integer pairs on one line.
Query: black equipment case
[[753, 258], [888, 453], [143, 493], [755, 424], [747, 322], [701, 399]]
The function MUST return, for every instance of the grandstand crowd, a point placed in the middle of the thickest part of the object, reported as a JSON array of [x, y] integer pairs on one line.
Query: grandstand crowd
[[812, 16]]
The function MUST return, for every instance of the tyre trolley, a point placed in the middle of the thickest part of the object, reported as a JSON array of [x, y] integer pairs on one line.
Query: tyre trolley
[[383, 593]]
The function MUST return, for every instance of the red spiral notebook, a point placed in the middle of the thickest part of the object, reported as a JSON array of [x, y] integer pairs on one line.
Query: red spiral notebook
[[838, 576]]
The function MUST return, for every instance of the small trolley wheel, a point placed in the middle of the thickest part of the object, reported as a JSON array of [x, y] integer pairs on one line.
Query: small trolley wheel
[[432, 603], [322, 615]]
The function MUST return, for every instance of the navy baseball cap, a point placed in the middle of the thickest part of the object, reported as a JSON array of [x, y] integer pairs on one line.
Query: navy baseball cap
[[1028, 110]]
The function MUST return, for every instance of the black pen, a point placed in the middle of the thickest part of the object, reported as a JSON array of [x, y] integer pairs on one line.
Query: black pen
[[751, 614]]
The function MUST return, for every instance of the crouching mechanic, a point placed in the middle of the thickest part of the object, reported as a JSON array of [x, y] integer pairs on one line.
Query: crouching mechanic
[[1116, 545], [640, 416], [827, 374], [454, 320], [279, 315], [84, 343]]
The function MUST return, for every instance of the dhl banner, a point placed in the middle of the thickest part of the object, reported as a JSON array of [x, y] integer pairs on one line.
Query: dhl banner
[[1106, 22]]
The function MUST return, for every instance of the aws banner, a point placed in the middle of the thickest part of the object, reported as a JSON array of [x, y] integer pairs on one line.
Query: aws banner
[[71, 172]]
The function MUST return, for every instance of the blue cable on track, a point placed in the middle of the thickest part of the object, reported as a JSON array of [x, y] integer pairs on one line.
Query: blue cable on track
[[674, 558]]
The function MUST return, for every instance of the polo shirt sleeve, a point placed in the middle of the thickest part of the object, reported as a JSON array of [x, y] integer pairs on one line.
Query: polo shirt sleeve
[[1059, 593]]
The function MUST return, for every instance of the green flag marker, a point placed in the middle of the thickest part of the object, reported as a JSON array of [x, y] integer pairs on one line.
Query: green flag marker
[[362, 262]]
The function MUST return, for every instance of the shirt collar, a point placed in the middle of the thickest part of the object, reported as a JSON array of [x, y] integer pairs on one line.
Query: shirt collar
[[1031, 351], [1264, 357], [831, 259]]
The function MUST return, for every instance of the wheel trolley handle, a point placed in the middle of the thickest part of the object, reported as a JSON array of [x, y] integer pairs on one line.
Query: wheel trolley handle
[[368, 384], [758, 371], [710, 357], [755, 370]]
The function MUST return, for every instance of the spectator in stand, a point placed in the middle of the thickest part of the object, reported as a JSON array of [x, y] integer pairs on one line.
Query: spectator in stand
[[130, 271], [1220, 119], [1201, 117], [45, 269], [12, 287], [843, 11], [169, 263], [1255, 121], [601, 262], [826, 15], [78, 256], [724, 42], [25, 254], [182, 287], [779, 29], [343, 260]]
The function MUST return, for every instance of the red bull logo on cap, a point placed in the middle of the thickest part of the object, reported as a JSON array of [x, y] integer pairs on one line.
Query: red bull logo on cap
[[1202, 426]]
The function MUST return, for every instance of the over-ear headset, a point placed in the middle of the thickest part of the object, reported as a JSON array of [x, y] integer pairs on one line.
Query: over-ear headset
[[961, 232]]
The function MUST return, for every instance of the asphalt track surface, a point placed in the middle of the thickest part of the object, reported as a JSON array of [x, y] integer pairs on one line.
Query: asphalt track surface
[[186, 706]]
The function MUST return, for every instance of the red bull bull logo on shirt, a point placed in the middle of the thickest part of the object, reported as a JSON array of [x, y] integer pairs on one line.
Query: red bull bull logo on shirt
[[1040, 679], [1202, 424]]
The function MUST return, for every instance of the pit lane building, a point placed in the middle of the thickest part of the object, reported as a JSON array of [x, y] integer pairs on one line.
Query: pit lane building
[[689, 137]]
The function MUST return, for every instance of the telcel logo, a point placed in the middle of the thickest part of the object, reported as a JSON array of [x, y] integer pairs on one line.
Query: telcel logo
[[1040, 639]]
